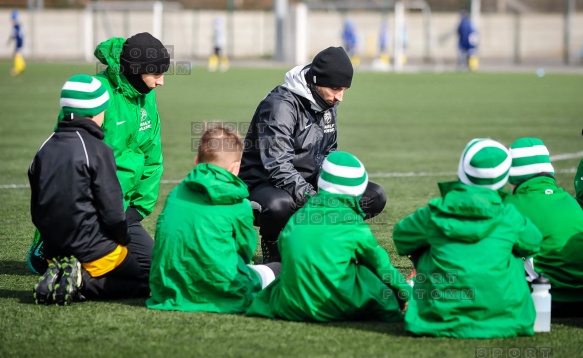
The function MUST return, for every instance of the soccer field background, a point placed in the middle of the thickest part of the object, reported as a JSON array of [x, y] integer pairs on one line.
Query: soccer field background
[[407, 129]]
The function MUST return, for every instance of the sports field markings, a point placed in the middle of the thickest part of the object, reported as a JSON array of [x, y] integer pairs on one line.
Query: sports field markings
[[566, 156], [554, 158], [439, 174]]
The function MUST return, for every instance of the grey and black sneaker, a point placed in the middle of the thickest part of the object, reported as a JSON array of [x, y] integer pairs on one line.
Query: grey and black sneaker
[[270, 251], [67, 290], [43, 290]]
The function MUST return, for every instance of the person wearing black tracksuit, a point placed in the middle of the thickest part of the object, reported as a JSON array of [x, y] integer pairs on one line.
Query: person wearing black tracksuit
[[291, 133], [76, 204]]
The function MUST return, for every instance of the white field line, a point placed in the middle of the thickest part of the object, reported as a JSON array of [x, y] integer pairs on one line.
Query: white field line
[[554, 158], [566, 156], [438, 174]]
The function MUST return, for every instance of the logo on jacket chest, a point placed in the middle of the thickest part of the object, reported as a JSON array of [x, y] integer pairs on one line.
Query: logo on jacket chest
[[145, 123], [329, 127]]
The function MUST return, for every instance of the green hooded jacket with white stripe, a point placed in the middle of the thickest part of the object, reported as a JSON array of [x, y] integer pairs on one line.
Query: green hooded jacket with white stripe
[[132, 130]]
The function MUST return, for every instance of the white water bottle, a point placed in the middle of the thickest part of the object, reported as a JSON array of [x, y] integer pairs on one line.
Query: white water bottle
[[542, 303]]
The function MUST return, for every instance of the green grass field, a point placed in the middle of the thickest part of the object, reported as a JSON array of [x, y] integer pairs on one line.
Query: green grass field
[[408, 129]]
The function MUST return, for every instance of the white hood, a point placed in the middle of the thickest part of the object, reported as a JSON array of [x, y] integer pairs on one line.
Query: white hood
[[295, 81]]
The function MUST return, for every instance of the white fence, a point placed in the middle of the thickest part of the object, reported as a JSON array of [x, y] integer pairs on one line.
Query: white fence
[[61, 34]]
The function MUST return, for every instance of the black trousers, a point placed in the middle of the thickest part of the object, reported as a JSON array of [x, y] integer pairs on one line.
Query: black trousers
[[130, 278], [277, 206]]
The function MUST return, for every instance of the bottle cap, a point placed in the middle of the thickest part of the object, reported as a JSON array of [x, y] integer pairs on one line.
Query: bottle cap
[[541, 280]]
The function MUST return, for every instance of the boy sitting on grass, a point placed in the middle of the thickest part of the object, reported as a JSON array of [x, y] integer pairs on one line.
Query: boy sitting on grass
[[559, 218], [205, 237], [333, 268], [77, 206], [469, 247]]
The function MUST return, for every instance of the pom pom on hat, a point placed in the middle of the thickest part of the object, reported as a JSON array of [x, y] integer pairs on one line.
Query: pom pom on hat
[[84, 95], [530, 157], [484, 163], [343, 173], [331, 68]]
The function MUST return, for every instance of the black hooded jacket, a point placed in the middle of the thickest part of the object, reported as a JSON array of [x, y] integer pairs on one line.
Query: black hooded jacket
[[289, 137], [76, 199]]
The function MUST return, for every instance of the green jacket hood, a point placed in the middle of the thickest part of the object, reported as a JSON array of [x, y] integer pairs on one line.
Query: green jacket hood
[[108, 53], [538, 184], [466, 213], [327, 200], [220, 186]]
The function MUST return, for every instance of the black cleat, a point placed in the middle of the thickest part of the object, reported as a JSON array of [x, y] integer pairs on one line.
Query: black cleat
[[270, 251], [43, 290], [67, 290]]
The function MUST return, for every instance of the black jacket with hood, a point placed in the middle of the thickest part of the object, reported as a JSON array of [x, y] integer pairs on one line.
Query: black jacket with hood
[[76, 199], [288, 138]]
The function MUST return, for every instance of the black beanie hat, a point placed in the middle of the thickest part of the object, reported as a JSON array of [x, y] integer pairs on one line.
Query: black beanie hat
[[143, 53], [331, 68]]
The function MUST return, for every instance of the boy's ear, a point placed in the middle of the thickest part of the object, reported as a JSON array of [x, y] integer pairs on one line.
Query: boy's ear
[[196, 162], [235, 167]]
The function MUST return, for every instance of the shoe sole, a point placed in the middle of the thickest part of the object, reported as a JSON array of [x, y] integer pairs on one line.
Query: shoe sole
[[42, 298], [66, 289], [44, 288]]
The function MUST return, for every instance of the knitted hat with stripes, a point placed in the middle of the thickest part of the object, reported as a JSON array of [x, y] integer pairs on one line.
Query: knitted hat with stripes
[[530, 156], [484, 163], [84, 95], [343, 173]]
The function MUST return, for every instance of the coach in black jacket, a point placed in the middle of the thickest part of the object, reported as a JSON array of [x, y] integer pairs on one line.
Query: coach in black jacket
[[292, 131], [77, 202]]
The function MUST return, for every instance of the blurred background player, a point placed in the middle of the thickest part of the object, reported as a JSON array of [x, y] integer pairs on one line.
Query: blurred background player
[[17, 36], [384, 42], [467, 43], [350, 41], [405, 42], [218, 59]]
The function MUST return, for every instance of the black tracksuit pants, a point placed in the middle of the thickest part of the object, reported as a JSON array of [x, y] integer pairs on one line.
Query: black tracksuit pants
[[277, 206], [130, 278]]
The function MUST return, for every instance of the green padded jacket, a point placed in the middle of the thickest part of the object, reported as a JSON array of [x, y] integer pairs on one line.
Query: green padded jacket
[[204, 241], [468, 247]]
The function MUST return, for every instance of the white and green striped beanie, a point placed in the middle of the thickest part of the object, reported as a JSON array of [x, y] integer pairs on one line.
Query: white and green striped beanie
[[530, 156], [484, 163], [84, 95], [343, 173]]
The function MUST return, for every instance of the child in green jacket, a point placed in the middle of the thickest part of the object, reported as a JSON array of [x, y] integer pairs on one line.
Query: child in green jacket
[[559, 218], [469, 246], [333, 268], [205, 237]]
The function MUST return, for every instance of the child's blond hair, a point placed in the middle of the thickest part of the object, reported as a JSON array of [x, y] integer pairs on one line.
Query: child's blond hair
[[220, 146]]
